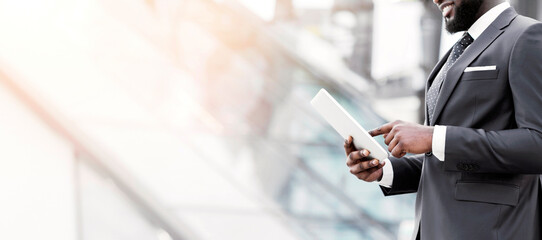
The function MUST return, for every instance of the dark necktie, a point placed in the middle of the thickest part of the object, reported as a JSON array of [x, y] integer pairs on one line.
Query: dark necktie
[[434, 90]]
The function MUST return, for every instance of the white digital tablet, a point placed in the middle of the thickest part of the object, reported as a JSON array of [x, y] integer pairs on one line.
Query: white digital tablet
[[346, 125]]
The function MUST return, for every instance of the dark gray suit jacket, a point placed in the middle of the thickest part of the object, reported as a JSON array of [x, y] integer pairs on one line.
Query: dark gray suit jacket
[[487, 187]]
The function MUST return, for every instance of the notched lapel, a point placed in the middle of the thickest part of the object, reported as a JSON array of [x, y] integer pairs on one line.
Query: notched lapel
[[474, 50], [432, 76]]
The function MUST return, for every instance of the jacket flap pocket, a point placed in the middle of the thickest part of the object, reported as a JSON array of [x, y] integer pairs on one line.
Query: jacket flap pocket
[[480, 75], [506, 194]]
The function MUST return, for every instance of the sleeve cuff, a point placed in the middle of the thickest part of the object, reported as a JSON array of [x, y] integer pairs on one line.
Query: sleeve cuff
[[439, 142], [387, 174]]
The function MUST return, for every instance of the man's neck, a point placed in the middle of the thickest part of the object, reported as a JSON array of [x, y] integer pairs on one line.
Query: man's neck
[[486, 6], [481, 24]]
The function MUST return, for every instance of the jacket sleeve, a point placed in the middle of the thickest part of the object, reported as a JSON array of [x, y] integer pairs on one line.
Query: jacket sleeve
[[406, 175], [517, 151]]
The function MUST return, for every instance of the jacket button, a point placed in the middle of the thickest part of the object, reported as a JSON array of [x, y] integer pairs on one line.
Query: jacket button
[[428, 154], [460, 166]]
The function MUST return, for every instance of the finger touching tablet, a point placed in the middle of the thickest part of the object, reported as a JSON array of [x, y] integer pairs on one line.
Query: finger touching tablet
[[346, 125]]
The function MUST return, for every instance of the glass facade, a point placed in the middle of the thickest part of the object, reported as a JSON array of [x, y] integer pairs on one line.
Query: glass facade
[[260, 94], [209, 108]]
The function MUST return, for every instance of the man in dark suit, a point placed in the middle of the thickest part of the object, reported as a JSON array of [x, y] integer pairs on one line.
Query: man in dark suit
[[478, 156]]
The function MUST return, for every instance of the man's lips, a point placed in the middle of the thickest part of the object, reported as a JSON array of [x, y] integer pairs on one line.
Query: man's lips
[[447, 9]]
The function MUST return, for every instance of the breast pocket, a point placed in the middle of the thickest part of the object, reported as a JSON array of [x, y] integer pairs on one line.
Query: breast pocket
[[480, 75]]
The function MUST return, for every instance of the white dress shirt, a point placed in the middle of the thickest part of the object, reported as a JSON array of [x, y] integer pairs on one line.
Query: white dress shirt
[[439, 133]]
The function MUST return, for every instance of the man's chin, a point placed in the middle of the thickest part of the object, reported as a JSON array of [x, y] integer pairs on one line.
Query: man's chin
[[453, 27], [463, 16], [449, 28]]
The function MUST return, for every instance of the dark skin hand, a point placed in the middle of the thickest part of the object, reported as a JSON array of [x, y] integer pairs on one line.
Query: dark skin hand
[[403, 137], [363, 168]]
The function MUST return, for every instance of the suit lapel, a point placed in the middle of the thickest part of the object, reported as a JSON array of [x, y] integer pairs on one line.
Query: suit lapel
[[432, 76], [474, 50]]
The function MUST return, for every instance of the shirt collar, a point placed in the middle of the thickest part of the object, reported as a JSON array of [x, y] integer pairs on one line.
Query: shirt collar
[[485, 20]]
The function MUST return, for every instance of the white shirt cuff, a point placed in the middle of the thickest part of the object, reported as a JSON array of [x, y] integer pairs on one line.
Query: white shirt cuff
[[387, 175], [439, 142]]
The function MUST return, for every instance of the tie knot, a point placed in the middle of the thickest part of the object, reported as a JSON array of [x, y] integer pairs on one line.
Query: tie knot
[[460, 47], [465, 41]]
